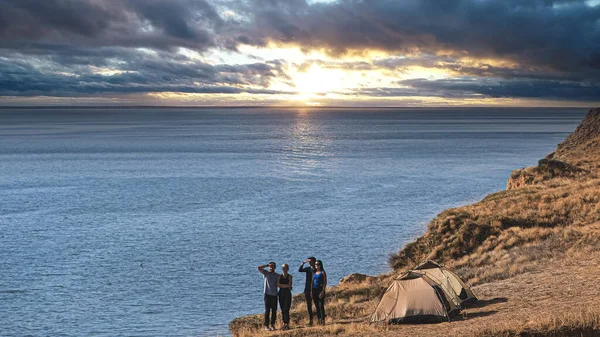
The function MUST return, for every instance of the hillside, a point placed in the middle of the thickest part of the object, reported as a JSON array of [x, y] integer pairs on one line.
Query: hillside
[[531, 252]]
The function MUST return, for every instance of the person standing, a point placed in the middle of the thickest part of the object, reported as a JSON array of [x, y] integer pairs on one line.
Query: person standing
[[284, 282], [318, 290], [308, 285], [270, 291]]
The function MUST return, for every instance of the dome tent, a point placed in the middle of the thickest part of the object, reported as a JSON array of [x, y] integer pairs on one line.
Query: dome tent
[[414, 297], [449, 281]]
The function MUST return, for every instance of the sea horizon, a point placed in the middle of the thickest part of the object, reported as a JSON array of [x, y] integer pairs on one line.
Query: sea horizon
[[300, 106]]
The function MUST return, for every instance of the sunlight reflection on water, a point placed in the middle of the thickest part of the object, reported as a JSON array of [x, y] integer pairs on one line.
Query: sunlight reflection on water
[[307, 151]]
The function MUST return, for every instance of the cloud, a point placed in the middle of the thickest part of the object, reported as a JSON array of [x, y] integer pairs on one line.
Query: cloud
[[157, 24], [131, 72], [502, 88], [31, 19], [465, 87], [546, 49], [558, 35], [344, 65]]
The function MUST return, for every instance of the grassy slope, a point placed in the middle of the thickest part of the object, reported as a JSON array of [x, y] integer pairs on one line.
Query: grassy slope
[[544, 229]]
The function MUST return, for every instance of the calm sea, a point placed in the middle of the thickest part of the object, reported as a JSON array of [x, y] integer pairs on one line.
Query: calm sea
[[151, 222]]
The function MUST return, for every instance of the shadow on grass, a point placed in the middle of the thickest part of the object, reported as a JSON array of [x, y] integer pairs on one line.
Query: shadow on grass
[[485, 303]]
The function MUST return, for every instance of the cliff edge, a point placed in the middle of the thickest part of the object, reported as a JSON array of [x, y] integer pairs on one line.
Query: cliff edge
[[581, 147]]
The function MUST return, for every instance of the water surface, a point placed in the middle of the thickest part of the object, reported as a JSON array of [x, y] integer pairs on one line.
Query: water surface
[[151, 222]]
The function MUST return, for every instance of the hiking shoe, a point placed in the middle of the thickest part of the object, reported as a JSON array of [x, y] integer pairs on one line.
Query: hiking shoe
[[272, 328], [267, 328]]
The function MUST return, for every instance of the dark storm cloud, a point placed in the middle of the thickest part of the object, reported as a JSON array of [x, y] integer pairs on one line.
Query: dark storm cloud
[[55, 47], [58, 48], [157, 24], [502, 88], [481, 69], [138, 73], [423, 60], [32, 19], [178, 18], [478, 88], [560, 35]]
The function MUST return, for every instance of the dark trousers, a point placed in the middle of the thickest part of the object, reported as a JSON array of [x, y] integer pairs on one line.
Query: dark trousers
[[285, 302], [270, 306], [319, 304], [308, 297]]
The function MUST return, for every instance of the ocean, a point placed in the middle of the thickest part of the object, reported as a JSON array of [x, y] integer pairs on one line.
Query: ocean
[[151, 222]]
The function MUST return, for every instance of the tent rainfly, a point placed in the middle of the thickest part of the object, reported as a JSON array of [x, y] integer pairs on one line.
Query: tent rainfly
[[452, 284], [414, 297]]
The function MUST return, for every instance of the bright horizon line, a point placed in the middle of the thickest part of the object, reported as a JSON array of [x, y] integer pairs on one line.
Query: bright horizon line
[[315, 107]]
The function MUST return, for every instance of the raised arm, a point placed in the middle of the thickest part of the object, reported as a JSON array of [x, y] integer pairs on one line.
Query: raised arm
[[261, 269], [301, 269]]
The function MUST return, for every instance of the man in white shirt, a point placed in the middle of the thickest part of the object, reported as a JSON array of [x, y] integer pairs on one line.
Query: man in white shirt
[[270, 291]]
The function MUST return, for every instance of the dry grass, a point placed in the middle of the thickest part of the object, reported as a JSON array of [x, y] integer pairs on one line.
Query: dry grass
[[351, 329], [520, 250], [547, 170], [346, 303], [505, 220], [577, 323]]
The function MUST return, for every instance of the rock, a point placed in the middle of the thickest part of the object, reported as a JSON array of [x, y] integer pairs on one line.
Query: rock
[[356, 278], [519, 178], [547, 169]]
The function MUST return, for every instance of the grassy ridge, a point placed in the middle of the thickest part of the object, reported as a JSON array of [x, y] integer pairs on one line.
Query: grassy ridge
[[546, 210]]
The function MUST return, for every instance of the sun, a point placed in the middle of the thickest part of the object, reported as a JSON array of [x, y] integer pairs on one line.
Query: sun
[[316, 81]]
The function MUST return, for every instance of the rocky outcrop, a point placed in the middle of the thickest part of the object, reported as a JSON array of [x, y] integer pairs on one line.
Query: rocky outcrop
[[546, 170], [357, 278], [520, 178]]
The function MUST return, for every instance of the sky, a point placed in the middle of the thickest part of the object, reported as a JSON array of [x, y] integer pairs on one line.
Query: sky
[[300, 53]]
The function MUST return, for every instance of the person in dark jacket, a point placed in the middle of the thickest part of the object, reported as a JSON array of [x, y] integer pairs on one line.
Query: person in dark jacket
[[284, 282], [308, 284]]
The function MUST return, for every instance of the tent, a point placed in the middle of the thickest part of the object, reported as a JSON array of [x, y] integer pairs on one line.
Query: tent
[[449, 281], [414, 297]]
